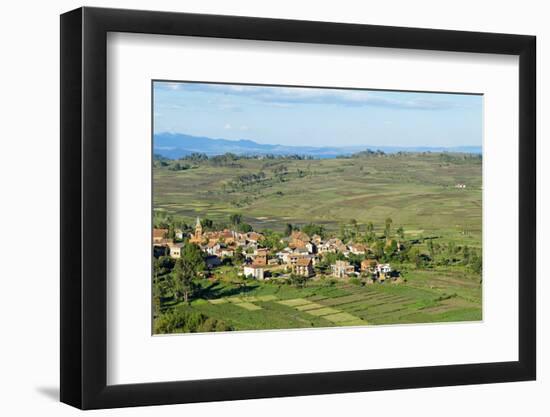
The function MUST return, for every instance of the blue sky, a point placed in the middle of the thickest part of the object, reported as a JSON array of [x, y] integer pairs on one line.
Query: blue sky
[[317, 117]]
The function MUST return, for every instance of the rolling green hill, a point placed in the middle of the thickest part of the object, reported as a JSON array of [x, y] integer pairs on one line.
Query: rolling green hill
[[416, 190]]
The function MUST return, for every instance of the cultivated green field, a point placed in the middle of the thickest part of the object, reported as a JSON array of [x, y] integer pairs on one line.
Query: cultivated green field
[[443, 295], [416, 190]]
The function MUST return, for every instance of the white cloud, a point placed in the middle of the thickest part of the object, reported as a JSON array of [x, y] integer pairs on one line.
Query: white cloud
[[227, 126], [287, 96], [280, 96]]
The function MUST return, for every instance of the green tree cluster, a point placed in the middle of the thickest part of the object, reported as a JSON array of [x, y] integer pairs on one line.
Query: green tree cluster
[[186, 272], [185, 321]]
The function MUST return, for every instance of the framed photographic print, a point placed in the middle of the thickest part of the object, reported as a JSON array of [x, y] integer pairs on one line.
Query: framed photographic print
[[258, 207]]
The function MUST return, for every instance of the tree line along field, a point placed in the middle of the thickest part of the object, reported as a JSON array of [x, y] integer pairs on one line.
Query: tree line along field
[[417, 191]]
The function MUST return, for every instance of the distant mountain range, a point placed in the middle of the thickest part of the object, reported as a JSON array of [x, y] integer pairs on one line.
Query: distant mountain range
[[178, 145]]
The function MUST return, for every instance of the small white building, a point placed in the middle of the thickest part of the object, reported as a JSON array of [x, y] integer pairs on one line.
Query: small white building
[[284, 255], [341, 269], [213, 248], [254, 271], [175, 249], [303, 267], [383, 268], [227, 253]]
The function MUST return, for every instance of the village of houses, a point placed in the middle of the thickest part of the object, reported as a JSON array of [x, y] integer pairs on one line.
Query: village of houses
[[300, 256]]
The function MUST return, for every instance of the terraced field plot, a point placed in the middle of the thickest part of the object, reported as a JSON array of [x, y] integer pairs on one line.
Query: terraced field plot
[[428, 296], [249, 306], [329, 313]]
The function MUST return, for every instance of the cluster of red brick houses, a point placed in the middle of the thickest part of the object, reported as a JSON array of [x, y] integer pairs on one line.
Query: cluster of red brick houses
[[300, 255]]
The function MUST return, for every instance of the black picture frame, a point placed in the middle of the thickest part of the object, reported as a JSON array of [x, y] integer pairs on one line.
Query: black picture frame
[[84, 207]]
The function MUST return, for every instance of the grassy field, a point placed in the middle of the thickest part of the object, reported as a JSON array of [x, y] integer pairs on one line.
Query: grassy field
[[444, 295], [417, 191]]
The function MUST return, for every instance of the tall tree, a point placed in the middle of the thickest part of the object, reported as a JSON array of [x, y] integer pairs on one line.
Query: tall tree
[[390, 248], [156, 300], [369, 234], [451, 249], [272, 240], [379, 249], [288, 229], [476, 262], [183, 280], [235, 218], [206, 223], [187, 269], [431, 249], [192, 255], [314, 229], [370, 227], [387, 230], [244, 227], [466, 255], [238, 258], [401, 232]]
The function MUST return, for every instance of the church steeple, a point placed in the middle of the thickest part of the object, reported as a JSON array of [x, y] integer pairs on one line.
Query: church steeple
[[198, 230]]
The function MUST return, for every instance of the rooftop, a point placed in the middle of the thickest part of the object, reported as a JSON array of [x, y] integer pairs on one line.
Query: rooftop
[[303, 261], [159, 233]]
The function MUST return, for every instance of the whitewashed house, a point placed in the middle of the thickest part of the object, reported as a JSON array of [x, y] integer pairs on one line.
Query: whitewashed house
[[341, 269], [175, 249], [254, 271], [383, 268]]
